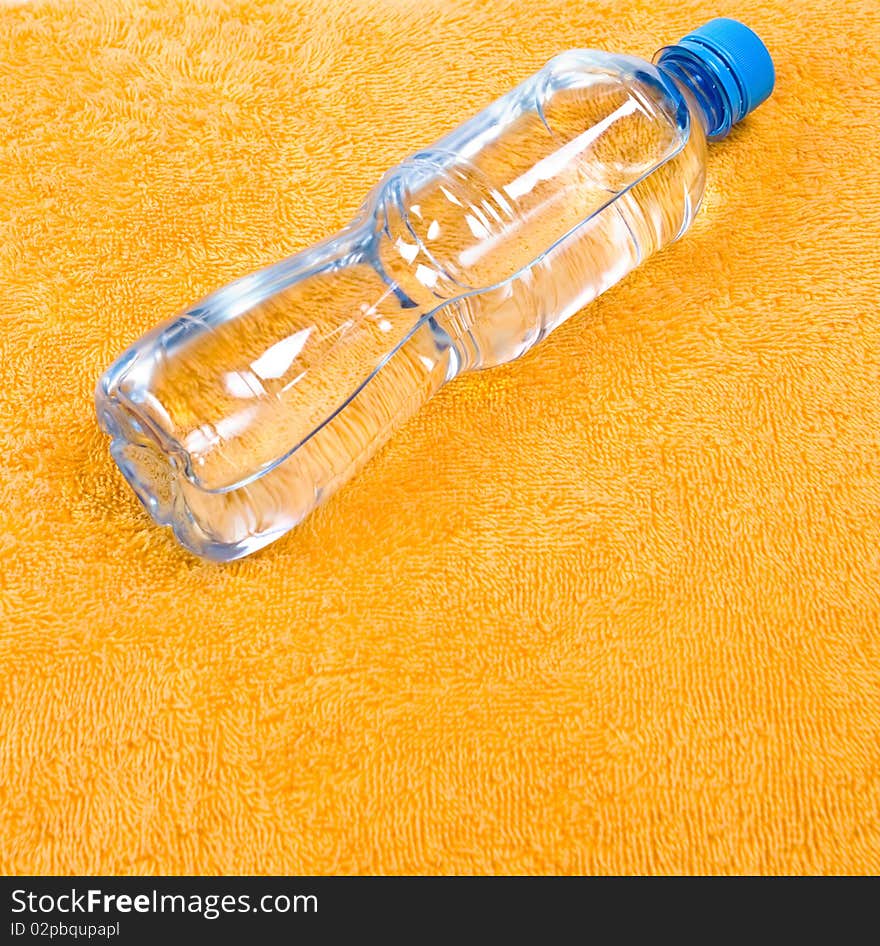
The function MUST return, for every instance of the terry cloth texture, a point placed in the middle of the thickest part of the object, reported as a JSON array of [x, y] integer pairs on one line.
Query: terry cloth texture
[[613, 607]]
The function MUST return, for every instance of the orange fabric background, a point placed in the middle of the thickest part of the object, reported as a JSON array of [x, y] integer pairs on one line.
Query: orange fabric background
[[613, 607]]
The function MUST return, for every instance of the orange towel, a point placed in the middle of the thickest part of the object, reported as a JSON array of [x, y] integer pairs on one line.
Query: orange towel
[[614, 607]]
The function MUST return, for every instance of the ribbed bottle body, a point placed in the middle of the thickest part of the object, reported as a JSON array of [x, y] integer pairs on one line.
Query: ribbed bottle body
[[234, 420]]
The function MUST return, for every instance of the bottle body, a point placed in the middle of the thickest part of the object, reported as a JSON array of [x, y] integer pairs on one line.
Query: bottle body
[[234, 420]]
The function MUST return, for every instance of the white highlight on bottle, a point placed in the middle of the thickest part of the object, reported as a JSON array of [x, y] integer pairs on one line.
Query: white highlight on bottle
[[275, 362]]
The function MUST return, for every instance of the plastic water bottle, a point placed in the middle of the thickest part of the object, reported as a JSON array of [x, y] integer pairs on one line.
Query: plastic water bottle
[[235, 419]]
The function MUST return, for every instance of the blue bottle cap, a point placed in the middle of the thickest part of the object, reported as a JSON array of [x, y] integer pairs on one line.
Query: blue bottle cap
[[737, 59]]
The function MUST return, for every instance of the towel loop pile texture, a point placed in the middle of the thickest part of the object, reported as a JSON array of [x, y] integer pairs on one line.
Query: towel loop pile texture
[[613, 607]]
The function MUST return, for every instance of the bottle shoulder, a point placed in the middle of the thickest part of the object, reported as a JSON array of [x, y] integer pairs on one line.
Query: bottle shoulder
[[640, 76]]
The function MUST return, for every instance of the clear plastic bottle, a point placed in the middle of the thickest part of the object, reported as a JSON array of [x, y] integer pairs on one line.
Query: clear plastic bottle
[[235, 419]]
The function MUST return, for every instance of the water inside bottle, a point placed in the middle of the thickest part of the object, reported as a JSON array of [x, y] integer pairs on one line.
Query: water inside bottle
[[269, 397]]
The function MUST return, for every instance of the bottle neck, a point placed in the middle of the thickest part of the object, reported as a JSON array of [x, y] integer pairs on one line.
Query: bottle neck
[[712, 99]]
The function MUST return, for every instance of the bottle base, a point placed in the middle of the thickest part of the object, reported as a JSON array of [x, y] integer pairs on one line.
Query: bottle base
[[156, 476]]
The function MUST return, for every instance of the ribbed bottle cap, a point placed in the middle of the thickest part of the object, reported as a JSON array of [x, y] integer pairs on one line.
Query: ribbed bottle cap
[[737, 58]]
